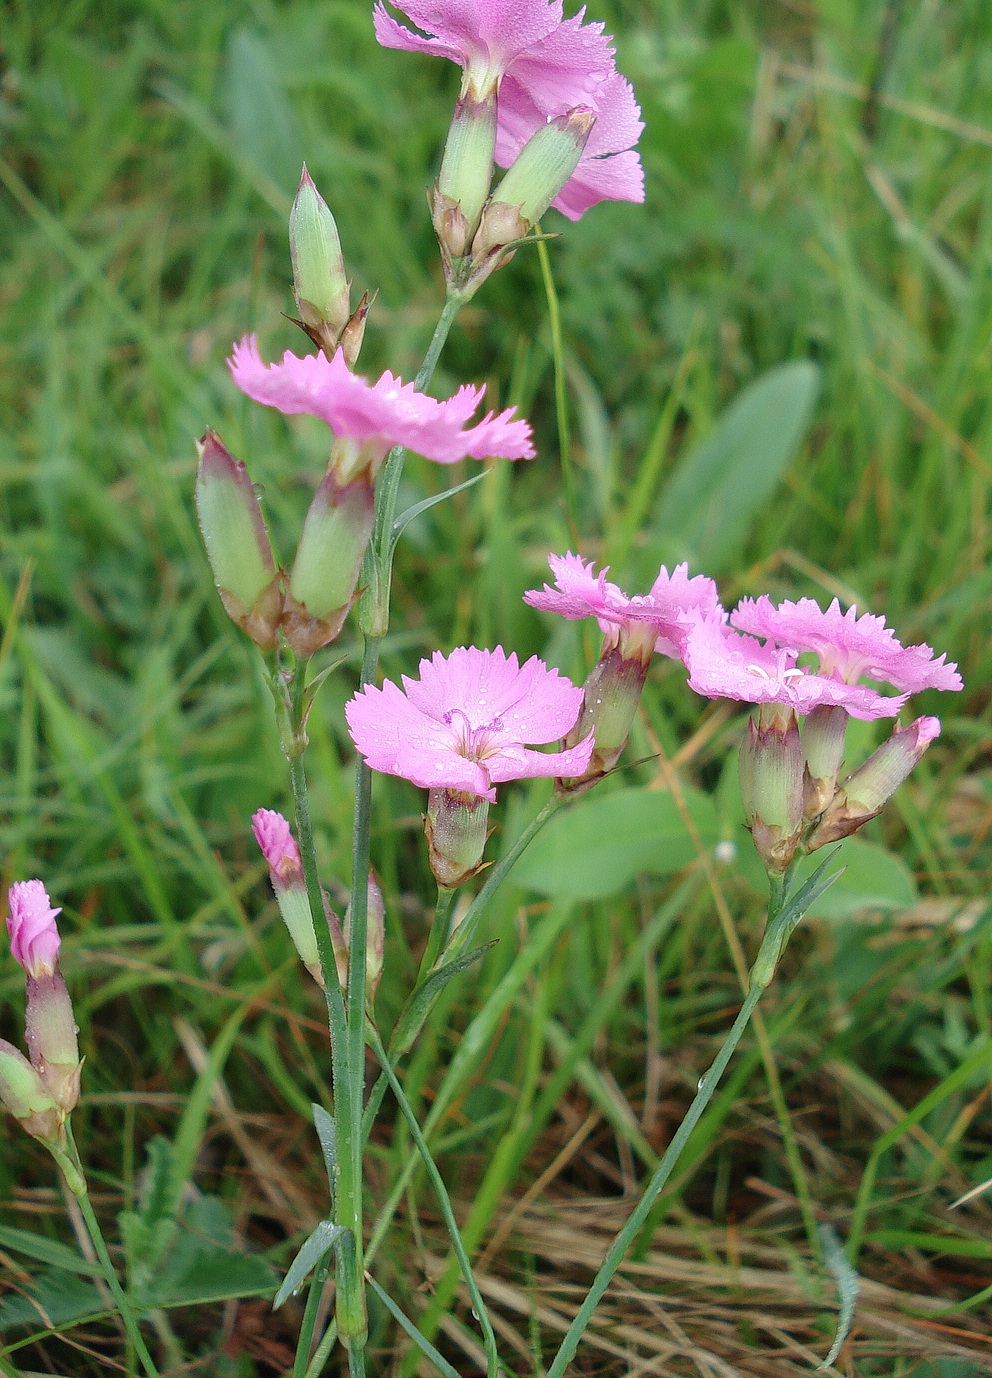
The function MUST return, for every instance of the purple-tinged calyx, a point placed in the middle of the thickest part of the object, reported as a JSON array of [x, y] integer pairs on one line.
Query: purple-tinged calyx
[[237, 542], [863, 795], [771, 782]]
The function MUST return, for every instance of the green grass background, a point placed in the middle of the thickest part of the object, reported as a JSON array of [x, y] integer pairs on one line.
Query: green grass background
[[819, 187]]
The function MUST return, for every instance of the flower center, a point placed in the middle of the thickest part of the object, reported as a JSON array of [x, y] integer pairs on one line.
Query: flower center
[[474, 743]]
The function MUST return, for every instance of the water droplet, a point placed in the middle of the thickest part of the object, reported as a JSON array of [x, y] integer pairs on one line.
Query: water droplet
[[699, 1083]]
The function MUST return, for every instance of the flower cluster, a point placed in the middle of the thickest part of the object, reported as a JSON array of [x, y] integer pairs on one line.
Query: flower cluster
[[789, 777], [540, 96], [539, 66]]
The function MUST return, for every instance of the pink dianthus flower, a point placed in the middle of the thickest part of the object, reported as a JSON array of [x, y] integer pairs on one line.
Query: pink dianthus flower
[[462, 725], [542, 66], [381, 414], [673, 604], [730, 665], [849, 647], [34, 937]]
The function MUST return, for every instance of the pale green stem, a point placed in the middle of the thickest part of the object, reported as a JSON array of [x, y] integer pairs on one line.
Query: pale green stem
[[444, 1201], [561, 397], [440, 929], [765, 962], [72, 1170]]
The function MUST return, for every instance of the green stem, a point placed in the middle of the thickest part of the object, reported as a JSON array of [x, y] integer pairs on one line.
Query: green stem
[[403, 1035], [495, 876], [561, 396], [347, 1187], [766, 956], [76, 1183], [440, 928], [378, 567], [304, 1341], [444, 1201]]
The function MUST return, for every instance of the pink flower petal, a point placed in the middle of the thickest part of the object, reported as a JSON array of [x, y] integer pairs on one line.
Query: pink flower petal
[[849, 647], [389, 411], [673, 603], [726, 664], [464, 723]]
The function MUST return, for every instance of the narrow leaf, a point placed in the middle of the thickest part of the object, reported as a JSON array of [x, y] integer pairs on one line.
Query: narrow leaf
[[327, 1134], [314, 1249], [47, 1251], [405, 518], [424, 998], [420, 1340]]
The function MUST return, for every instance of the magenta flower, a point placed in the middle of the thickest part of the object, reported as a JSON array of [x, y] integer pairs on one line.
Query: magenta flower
[[542, 67], [849, 647], [34, 938], [462, 725], [382, 414], [673, 604], [278, 845], [726, 664]]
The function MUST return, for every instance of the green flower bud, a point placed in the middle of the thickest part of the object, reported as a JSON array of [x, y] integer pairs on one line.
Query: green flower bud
[[456, 834], [545, 164], [319, 282], [610, 698], [771, 780], [237, 543], [25, 1095], [328, 561], [466, 173]]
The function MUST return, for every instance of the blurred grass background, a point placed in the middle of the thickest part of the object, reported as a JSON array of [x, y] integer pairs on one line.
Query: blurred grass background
[[818, 189]]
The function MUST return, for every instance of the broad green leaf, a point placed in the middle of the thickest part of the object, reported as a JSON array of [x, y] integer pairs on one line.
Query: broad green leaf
[[707, 506], [599, 845], [55, 1297]]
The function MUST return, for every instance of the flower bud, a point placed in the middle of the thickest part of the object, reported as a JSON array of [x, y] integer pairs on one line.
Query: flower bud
[[456, 834], [823, 750], [237, 543], [50, 1033], [328, 561], [319, 282], [863, 795], [282, 855], [466, 173], [545, 164], [610, 697], [375, 937], [771, 780], [25, 1095]]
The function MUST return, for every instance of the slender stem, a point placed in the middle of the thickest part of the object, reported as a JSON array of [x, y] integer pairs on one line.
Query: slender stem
[[438, 936], [627, 1235], [403, 1035], [561, 397], [77, 1185], [444, 1201], [304, 1341], [347, 1119], [466, 930]]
